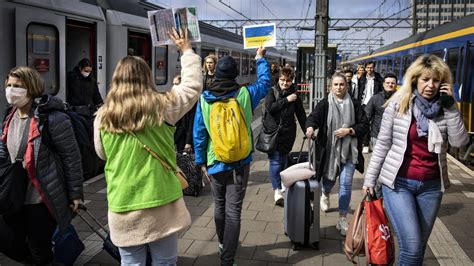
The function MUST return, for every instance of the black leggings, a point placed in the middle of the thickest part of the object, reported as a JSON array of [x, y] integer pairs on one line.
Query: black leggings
[[26, 235]]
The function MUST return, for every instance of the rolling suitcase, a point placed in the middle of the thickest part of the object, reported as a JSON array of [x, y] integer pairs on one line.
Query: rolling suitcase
[[295, 157], [193, 175], [301, 222], [108, 245]]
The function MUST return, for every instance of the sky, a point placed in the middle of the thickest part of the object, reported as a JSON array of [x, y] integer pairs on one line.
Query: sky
[[264, 9]]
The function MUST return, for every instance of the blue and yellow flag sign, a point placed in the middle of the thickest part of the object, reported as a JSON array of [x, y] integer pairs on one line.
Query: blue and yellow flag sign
[[259, 35]]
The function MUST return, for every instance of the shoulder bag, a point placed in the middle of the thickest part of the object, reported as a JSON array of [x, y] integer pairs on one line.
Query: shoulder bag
[[268, 137], [179, 174], [14, 178]]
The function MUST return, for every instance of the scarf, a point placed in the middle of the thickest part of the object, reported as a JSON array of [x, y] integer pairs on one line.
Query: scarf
[[339, 150], [424, 111], [221, 87]]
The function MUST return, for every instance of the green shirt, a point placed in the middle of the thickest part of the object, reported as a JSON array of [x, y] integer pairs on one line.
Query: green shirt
[[135, 179]]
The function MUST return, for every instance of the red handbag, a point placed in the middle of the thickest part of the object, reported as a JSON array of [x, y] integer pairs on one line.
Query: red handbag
[[379, 238]]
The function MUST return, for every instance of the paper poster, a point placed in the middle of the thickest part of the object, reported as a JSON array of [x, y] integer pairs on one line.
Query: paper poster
[[163, 20], [259, 35]]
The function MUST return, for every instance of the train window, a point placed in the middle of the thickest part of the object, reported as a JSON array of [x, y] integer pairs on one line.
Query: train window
[[406, 63], [396, 67], [43, 54], [253, 66], [245, 64], [236, 56], [222, 53], [458, 79], [439, 53], [161, 66], [139, 44], [453, 61], [383, 67], [389, 65], [205, 51]]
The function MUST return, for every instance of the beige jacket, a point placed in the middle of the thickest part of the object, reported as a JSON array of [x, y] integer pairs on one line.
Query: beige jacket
[[144, 226]]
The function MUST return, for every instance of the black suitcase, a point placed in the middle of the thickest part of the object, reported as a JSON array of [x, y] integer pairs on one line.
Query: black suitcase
[[193, 174], [295, 157]]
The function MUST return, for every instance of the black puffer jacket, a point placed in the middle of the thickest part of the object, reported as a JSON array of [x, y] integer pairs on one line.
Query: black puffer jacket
[[281, 109], [318, 120], [57, 163], [81, 90]]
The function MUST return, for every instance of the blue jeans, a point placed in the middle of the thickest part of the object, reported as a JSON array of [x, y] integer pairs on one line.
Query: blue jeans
[[277, 164], [345, 186], [163, 252], [412, 208]]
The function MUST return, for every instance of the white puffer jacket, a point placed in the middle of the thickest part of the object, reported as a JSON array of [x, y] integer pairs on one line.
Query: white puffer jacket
[[389, 151]]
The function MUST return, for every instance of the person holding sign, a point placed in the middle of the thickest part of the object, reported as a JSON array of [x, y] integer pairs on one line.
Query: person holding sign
[[144, 196]]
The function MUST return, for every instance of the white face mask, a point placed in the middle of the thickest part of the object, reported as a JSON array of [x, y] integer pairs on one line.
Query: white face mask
[[16, 96], [85, 74]]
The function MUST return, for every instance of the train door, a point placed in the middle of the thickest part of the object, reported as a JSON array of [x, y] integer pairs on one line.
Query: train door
[[466, 90], [80, 44], [39, 35]]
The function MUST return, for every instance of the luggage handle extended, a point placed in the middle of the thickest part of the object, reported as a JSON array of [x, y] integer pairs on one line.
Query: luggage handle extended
[[84, 208]]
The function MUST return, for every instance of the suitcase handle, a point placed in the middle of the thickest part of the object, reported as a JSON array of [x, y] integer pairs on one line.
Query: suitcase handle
[[84, 208]]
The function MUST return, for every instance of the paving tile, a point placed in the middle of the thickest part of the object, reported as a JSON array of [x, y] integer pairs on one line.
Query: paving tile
[[260, 239], [201, 220], [270, 216], [248, 214], [271, 253], [183, 245], [200, 233], [253, 226], [275, 228], [245, 251]]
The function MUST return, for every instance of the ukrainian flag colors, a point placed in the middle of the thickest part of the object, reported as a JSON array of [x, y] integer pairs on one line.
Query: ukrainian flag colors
[[259, 35]]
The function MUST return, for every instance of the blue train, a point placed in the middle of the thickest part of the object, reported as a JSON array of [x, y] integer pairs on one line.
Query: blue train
[[454, 42]]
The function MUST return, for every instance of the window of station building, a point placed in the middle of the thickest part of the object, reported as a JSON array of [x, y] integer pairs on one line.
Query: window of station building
[[205, 51], [43, 54], [453, 61], [236, 56], [406, 63], [396, 67], [222, 53], [253, 66], [245, 64], [161, 65], [139, 44]]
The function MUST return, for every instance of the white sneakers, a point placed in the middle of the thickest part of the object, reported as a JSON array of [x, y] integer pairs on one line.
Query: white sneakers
[[278, 197], [365, 149], [324, 202], [283, 188], [342, 225]]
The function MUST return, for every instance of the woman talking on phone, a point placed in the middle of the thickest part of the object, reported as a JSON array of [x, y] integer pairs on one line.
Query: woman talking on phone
[[409, 158]]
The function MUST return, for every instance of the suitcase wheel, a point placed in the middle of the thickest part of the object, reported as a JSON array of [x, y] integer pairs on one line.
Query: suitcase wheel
[[295, 246], [315, 245]]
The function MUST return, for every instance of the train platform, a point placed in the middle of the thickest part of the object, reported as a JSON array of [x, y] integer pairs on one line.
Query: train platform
[[262, 239]]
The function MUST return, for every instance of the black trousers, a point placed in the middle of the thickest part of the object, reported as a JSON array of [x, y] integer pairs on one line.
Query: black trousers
[[26, 236]]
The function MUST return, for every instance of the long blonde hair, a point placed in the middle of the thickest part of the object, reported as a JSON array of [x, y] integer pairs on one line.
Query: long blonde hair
[[213, 58], [423, 64], [132, 102]]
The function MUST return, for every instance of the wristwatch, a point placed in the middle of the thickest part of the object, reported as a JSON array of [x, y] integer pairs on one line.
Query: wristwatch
[[351, 131]]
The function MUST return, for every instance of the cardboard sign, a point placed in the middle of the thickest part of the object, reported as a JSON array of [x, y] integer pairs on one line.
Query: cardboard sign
[[259, 35]]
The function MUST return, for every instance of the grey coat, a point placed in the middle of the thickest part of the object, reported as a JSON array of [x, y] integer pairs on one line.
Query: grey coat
[[389, 151]]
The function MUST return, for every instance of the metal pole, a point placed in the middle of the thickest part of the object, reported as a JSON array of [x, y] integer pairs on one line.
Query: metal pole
[[320, 52], [414, 24]]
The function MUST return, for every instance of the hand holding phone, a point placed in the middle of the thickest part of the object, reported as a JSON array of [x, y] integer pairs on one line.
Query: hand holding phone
[[446, 95]]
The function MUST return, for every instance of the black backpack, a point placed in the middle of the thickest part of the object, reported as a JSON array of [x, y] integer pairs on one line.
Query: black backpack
[[84, 136]]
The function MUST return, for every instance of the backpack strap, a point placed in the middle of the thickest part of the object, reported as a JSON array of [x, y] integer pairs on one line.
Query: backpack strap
[[24, 140]]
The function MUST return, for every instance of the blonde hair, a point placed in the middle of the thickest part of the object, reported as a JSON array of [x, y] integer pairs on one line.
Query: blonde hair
[[423, 64], [132, 102], [30, 79], [214, 58]]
